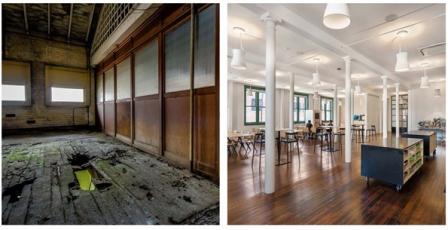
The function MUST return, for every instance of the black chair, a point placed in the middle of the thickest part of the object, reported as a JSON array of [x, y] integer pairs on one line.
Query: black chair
[[291, 138], [258, 139], [371, 131], [231, 147], [321, 135]]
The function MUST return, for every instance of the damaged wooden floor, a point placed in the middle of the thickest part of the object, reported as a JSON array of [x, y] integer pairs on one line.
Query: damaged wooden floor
[[131, 187]]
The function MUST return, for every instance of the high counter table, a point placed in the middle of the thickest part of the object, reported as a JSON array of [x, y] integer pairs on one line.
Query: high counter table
[[429, 140], [392, 160]]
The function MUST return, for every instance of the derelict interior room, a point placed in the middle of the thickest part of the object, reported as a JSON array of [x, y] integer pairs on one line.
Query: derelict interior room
[[336, 114], [110, 113]]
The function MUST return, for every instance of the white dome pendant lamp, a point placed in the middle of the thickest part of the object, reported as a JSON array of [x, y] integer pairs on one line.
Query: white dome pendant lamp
[[336, 16], [357, 89], [316, 77], [402, 63], [238, 55]]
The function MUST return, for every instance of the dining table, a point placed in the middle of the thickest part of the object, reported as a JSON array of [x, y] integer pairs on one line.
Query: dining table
[[239, 136]]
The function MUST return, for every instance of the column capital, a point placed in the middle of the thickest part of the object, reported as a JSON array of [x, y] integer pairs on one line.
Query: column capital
[[347, 58], [384, 77], [397, 84], [267, 17]]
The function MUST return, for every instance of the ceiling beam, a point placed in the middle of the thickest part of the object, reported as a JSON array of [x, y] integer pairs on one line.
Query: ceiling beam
[[297, 24], [25, 17], [49, 19], [70, 22], [90, 21]]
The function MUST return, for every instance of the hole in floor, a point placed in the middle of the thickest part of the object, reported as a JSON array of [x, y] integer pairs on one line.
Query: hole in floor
[[89, 179]]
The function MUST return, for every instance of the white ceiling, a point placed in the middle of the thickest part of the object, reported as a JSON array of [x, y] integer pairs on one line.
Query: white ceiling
[[369, 40]]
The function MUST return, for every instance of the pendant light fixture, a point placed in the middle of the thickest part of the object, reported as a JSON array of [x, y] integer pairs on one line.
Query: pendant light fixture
[[238, 55], [336, 16], [402, 63], [357, 89], [424, 82], [316, 76], [437, 93]]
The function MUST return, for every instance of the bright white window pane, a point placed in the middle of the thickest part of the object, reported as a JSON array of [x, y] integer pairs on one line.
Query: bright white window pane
[[109, 85], [177, 59], [13, 93], [124, 79], [204, 71], [67, 95], [251, 114], [147, 70], [262, 116]]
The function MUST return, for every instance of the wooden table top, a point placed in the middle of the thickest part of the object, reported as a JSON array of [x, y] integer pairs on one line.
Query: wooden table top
[[393, 142], [240, 134], [419, 133]]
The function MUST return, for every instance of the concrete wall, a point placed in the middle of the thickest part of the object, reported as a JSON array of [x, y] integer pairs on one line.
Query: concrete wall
[[424, 106], [40, 52]]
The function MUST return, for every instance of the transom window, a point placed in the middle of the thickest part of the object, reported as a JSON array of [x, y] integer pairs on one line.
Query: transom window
[[326, 108], [67, 95], [13, 93], [254, 105]]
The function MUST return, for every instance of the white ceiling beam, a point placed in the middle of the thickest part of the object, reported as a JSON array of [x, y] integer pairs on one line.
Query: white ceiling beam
[[297, 24], [70, 22], [25, 17]]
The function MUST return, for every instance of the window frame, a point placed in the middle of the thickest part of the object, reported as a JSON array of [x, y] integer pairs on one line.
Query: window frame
[[307, 104], [27, 85], [257, 106], [324, 111], [48, 86]]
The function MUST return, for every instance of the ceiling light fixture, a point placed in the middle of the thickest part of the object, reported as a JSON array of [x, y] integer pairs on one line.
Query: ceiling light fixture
[[238, 55], [316, 77], [358, 89], [336, 16], [437, 93], [424, 80], [402, 63]]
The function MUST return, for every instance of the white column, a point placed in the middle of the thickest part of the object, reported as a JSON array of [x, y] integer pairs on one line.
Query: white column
[[291, 100], [384, 106], [335, 109], [269, 178], [348, 103], [397, 110]]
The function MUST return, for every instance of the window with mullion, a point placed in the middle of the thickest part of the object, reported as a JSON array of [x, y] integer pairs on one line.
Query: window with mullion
[[327, 108], [254, 105], [300, 105]]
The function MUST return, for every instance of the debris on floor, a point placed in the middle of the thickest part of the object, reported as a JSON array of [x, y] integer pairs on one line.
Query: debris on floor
[[89, 178]]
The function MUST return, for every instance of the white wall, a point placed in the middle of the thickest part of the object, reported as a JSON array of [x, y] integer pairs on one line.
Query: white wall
[[424, 106]]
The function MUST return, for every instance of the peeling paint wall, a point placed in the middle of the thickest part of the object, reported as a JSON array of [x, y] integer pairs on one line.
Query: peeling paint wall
[[40, 52]]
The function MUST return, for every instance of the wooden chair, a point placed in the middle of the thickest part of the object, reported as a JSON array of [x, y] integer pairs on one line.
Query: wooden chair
[[371, 131]]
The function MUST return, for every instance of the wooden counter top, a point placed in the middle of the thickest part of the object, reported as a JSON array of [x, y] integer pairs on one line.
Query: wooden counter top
[[393, 142], [420, 133]]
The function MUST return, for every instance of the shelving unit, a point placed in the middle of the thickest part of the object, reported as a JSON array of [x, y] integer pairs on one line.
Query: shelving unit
[[403, 113], [393, 160]]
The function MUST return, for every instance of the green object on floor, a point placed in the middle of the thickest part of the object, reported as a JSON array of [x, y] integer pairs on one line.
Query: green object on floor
[[84, 178]]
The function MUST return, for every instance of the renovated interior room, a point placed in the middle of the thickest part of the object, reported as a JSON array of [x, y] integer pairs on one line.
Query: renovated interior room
[[336, 114], [110, 113]]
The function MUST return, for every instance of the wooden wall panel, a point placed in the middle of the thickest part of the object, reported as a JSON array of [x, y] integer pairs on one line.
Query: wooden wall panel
[[100, 115], [177, 130], [124, 119], [205, 139], [147, 123], [109, 118]]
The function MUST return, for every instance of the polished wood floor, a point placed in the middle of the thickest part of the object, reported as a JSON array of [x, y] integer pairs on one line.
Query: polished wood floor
[[325, 190]]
